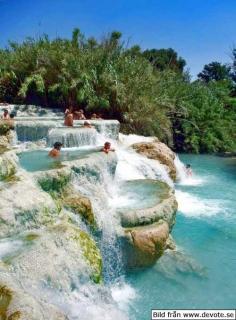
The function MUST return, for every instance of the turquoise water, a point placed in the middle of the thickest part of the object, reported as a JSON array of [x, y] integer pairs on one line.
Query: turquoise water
[[39, 160], [202, 273], [139, 194]]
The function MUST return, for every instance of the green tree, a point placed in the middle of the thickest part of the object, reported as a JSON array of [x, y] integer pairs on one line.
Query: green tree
[[214, 71], [165, 59], [149, 93]]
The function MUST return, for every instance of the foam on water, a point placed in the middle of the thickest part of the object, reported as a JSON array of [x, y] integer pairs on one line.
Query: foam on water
[[183, 178], [192, 206], [123, 294], [132, 166], [91, 301], [128, 140]]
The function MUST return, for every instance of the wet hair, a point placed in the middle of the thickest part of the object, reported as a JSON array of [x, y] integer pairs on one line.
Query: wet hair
[[106, 144], [57, 145], [188, 166], [5, 110], [12, 115]]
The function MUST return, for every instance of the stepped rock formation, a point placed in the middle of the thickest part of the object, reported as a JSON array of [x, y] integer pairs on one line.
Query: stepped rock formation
[[51, 222], [157, 150], [147, 231]]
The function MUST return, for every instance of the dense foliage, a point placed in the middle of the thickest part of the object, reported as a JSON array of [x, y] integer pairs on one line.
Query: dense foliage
[[149, 92]]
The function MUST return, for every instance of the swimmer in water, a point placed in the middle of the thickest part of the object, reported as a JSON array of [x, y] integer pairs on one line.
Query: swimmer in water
[[188, 170], [94, 116], [107, 147], [87, 124], [79, 115], [55, 152]]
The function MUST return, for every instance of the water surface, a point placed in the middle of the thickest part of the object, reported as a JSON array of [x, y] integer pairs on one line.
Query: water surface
[[39, 160], [202, 273]]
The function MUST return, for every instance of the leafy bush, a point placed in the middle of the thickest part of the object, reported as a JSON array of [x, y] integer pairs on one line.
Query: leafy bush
[[148, 92]]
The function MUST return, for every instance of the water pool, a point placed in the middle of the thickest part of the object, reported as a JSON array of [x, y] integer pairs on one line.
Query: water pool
[[139, 194], [202, 273], [38, 160]]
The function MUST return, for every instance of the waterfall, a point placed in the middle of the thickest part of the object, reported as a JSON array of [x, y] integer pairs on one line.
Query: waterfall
[[128, 140], [101, 191], [105, 192], [182, 177], [180, 169], [132, 166], [72, 137], [105, 189], [108, 128], [34, 130]]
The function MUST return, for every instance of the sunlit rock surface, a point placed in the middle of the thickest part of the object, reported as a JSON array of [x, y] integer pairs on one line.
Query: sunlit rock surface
[[158, 151], [146, 230], [61, 257], [23, 205], [80, 205], [145, 244]]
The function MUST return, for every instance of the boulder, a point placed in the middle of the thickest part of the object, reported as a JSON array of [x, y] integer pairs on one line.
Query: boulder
[[157, 150], [143, 245], [79, 204]]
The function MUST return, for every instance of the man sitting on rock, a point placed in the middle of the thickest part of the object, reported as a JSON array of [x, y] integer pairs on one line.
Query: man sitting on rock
[[55, 152]]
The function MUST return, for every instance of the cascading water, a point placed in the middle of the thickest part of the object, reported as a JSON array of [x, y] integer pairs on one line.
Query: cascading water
[[122, 295], [72, 137], [100, 191], [34, 130]]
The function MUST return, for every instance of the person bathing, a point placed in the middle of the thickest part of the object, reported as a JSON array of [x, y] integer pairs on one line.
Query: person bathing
[[69, 117], [107, 147], [188, 170], [87, 124], [79, 115], [56, 151], [5, 115]]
